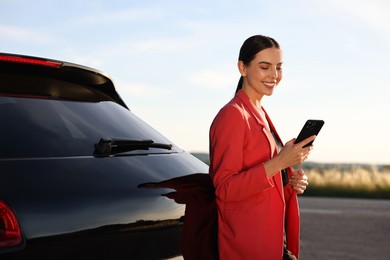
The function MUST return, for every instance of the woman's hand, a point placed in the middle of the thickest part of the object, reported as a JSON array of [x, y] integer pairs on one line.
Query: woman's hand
[[294, 154], [299, 181], [290, 155]]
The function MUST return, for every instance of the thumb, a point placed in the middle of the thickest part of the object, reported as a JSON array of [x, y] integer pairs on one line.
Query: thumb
[[292, 141], [300, 172]]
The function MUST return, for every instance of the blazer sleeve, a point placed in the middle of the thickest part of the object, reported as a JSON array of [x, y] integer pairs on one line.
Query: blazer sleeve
[[227, 143], [292, 219]]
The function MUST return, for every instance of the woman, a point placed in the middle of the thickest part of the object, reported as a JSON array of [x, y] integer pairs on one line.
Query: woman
[[258, 214]]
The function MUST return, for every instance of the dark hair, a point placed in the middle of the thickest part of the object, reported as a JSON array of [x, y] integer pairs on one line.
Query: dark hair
[[251, 47]]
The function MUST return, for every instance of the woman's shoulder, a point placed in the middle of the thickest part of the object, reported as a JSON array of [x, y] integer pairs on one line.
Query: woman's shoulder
[[234, 107], [233, 113]]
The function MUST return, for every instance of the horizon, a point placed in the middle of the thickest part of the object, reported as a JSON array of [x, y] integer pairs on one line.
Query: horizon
[[201, 156]]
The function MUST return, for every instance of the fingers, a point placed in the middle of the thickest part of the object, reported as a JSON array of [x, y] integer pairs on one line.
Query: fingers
[[299, 190], [300, 155], [299, 176], [299, 181], [303, 153], [294, 154], [300, 172], [291, 142], [308, 140], [300, 187]]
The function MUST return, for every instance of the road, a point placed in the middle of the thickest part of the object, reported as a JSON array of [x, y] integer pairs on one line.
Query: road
[[335, 228]]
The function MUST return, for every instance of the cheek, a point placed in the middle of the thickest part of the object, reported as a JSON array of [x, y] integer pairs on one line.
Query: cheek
[[280, 76]]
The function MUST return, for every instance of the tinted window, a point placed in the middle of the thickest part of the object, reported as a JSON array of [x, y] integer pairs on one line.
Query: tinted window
[[33, 127]]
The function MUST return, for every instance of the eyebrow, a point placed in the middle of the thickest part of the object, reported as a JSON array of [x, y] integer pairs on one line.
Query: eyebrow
[[269, 63]]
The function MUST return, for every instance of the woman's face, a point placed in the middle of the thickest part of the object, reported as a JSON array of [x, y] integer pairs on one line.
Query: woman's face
[[263, 73]]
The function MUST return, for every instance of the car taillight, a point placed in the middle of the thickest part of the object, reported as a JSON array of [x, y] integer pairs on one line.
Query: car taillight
[[27, 60], [10, 234]]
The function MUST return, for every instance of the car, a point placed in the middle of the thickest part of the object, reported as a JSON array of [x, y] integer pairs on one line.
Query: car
[[81, 176]]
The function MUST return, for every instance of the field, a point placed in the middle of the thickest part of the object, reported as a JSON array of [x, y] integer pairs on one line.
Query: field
[[348, 180], [343, 180]]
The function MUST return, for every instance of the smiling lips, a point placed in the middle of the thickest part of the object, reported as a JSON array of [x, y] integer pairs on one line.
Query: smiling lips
[[269, 84]]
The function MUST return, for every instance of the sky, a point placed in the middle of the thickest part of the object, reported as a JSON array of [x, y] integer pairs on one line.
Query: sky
[[174, 62]]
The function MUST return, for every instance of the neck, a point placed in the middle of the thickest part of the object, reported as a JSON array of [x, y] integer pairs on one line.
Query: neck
[[257, 104], [255, 97], [256, 101]]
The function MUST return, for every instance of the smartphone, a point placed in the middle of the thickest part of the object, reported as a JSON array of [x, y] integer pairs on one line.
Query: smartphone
[[311, 127]]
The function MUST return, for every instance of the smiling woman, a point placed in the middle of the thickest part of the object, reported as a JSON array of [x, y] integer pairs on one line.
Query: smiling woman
[[250, 167]]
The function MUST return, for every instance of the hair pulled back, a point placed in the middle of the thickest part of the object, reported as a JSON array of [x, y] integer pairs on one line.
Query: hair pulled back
[[251, 47]]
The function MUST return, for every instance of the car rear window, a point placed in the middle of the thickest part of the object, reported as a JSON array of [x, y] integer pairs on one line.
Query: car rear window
[[42, 127]]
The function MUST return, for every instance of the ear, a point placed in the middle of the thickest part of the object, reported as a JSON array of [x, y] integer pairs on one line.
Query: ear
[[242, 68]]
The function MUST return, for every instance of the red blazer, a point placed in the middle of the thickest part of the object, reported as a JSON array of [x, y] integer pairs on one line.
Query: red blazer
[[254, 211]]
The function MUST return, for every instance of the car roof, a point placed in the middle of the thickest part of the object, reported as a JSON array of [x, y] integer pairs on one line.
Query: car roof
[[74, 81]]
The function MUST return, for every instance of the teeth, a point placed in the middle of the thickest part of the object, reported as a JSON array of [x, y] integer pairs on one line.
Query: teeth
[[268, 84]]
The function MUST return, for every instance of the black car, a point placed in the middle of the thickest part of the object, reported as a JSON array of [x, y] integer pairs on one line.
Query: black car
[[79, 172]]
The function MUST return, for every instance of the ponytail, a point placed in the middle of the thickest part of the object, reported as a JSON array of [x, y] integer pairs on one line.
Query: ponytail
[[239, 85]]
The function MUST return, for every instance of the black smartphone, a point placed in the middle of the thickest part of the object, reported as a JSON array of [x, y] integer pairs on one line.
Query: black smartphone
[[311, 127]]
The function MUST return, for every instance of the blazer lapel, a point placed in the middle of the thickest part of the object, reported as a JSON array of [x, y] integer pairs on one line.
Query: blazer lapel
[[278, 177], [245, 99], [255, 113]]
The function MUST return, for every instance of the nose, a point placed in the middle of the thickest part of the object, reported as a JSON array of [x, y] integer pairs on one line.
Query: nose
[[274, 73]]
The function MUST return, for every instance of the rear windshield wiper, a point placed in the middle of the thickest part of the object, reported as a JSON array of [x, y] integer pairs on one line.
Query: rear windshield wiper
[[109, 146]]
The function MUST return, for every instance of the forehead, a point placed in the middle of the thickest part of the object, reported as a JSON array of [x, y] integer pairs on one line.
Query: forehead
[[269, 55]]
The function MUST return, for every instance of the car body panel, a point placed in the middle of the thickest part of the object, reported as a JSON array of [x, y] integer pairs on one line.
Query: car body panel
[[104, 201]]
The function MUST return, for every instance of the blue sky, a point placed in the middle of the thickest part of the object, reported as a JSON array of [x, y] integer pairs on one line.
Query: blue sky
[[174, 62]]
